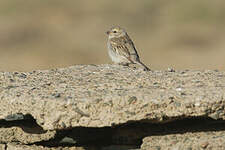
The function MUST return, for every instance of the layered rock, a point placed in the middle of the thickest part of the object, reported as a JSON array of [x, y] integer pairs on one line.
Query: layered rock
[[105, 106]]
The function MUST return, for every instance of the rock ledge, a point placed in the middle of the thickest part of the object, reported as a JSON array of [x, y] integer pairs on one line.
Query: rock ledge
[[39, 107]]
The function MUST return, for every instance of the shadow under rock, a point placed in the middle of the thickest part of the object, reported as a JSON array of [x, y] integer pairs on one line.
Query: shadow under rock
[[26, 122], [130, 134]]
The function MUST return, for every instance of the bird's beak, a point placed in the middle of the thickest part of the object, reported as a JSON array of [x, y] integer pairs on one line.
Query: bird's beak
[[107, 32]]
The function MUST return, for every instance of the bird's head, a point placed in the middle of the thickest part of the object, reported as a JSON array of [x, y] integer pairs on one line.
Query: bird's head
[[116, 32]]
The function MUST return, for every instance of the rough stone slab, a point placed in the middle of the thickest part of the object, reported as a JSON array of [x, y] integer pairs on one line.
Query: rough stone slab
[[188, 141], [106, 95], [17, 134]]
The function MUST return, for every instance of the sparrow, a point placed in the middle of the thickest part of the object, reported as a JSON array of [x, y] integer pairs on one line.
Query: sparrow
[[121, 48]]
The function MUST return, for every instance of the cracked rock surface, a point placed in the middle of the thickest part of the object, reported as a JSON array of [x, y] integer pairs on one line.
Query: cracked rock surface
[[104, 96], [193, 141]]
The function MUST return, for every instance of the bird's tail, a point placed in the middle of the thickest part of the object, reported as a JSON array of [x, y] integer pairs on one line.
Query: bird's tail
[[143, 65]]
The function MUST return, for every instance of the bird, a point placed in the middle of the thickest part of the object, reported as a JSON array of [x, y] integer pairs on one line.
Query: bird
[[121, 48]]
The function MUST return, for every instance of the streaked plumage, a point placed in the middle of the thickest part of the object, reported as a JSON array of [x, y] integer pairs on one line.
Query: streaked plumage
[[121, 49]]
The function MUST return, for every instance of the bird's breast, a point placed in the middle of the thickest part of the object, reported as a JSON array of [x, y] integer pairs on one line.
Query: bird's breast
[[114, 55]]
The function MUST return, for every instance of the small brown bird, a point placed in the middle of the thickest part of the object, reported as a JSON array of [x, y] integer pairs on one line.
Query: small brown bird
[[121, 49]]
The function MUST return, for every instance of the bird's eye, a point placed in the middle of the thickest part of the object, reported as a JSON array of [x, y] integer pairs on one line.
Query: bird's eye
[[114, 31]]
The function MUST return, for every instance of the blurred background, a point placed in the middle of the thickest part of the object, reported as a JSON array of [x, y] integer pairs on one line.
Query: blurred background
[[55, 33]]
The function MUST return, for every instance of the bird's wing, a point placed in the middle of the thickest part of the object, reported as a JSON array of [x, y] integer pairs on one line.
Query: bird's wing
[[120, 47], [130, 45], [124, 47]]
